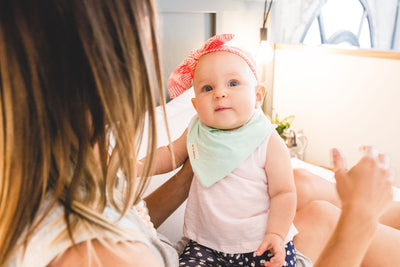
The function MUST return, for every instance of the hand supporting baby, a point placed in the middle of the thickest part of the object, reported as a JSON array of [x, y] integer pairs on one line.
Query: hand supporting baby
[[276, 245]]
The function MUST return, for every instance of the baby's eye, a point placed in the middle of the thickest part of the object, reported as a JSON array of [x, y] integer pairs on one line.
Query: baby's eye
[[207, 88], [233, 83]]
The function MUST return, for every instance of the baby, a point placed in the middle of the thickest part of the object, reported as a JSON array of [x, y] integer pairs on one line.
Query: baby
[[242, 200]]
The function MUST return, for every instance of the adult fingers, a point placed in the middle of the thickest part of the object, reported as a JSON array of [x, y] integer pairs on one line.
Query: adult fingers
[[384, 161], [338, 160], [369, 151], [391, 174]]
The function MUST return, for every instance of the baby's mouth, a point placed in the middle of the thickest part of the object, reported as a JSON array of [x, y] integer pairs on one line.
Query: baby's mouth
[[221, 108]]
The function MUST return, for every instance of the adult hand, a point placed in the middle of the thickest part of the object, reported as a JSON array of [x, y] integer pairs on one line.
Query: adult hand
[[365, 191], [367, 185]]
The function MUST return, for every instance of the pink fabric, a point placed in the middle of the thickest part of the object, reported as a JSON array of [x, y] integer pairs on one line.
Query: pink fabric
[[231, 215], [182, 77]]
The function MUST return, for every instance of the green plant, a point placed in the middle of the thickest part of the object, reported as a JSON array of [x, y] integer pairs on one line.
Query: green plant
[[282, 124]]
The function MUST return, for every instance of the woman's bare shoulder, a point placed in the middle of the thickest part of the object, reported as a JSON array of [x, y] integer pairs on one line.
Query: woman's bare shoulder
[[123, 254]]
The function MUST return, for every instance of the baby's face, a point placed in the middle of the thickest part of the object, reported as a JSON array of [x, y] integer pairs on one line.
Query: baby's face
[[225, 90]]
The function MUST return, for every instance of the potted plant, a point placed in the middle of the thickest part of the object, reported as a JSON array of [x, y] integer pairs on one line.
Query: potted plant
[[282, 125]]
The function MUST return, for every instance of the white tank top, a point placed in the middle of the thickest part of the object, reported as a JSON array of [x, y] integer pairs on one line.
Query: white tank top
[[42, 249], [231, 215]]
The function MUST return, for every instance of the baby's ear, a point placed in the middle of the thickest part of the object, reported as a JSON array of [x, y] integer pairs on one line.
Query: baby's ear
[[194, 103], [260, 93]]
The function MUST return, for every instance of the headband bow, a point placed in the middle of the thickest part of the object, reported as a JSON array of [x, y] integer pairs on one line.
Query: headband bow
[[182, 77]]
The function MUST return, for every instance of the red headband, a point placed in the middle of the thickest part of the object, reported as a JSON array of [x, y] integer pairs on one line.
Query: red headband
[[182, 77]]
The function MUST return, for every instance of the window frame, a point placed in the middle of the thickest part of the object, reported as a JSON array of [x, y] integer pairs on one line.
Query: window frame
[[340, 35]]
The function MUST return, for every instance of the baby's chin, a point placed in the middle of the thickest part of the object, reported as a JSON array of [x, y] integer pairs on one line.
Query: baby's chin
[[224, 127]]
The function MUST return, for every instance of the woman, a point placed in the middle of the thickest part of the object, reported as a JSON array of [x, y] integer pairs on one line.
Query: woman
[[73, 73]]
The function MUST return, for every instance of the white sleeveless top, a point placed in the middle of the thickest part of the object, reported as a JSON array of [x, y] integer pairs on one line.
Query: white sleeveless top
[[42, 249], [231, 215]]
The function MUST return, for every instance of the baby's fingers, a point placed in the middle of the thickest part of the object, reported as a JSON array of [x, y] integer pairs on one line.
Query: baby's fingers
[[275, 262], [262, 248]]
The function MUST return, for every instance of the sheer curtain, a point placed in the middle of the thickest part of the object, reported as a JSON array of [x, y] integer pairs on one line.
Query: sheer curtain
[[290, 18]]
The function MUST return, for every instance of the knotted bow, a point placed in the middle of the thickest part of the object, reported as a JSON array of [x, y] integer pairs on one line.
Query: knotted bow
[[182, 77]]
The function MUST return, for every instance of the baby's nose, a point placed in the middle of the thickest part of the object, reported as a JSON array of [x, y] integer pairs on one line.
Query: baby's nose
[[220, 93]]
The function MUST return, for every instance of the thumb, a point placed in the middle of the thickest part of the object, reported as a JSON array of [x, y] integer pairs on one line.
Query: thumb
[[262, 248], [338, 161]]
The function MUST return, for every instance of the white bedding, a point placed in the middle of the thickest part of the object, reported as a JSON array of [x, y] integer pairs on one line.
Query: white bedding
[[179, 113]]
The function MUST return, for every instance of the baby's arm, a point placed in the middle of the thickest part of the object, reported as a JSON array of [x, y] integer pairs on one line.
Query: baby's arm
[[163, 162], [282, 192]]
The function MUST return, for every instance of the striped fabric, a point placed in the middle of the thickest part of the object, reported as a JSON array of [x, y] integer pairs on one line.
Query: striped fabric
[[182, 77]]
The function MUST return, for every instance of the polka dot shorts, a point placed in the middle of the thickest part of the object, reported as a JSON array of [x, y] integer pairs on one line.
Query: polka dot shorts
[[196, 255]]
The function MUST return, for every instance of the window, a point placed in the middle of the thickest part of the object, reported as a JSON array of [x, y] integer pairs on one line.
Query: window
[[340, 22]]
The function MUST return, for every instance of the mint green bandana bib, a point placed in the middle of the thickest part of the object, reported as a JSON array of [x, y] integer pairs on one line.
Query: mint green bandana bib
[[215, 153]]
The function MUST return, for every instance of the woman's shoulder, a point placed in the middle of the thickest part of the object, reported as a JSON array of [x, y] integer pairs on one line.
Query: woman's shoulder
[[50, 240], [121, 254]]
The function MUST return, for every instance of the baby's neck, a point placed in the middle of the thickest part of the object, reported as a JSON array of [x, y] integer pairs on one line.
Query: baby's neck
[[248, 120]]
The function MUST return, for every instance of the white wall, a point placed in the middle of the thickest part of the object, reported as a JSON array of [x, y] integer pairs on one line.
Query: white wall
[[241, 17], [340, 98]]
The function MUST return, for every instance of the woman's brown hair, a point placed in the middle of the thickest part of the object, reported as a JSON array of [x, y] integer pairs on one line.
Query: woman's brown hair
[[74, 74]]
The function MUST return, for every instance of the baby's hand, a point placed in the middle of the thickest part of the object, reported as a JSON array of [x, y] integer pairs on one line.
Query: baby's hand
[[275, 244]]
